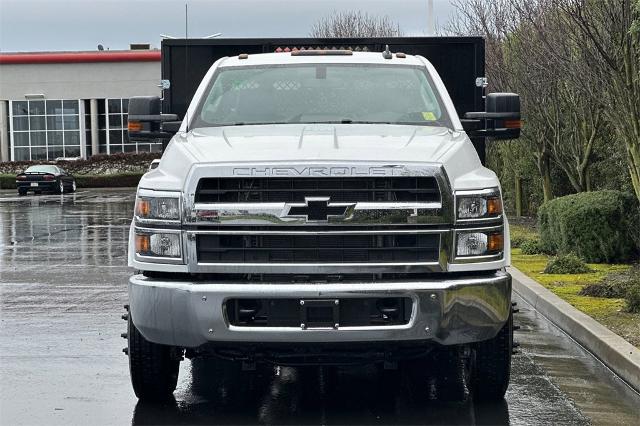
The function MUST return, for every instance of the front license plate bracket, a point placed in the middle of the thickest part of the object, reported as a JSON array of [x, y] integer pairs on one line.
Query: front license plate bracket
[[319, 314]]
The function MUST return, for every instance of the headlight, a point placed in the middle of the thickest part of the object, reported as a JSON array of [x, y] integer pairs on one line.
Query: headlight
[[158, 245], [158, 208], [479, 243], [481, 205]]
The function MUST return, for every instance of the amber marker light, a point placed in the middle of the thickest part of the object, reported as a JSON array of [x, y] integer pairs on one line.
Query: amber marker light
[[143, 243], [134, 126], [494, 206], [143, 207], [495, 242], [513, 124]]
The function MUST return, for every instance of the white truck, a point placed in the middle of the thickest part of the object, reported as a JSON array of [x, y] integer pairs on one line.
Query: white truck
[[322, 207]]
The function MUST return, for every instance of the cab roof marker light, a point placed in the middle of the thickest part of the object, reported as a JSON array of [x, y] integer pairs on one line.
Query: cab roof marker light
[[321, 53], [387, 53]]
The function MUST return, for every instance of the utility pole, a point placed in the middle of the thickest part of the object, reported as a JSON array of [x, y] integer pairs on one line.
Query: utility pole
[[430, 18]]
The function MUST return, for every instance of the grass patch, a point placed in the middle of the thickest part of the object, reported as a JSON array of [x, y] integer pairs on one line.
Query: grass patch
[[608, 311]]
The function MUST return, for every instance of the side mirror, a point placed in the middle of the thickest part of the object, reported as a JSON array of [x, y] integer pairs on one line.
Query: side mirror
[[500, 121], [147, 122]]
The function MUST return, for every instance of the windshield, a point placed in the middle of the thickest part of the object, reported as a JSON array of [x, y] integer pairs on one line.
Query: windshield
[[321, 93], [42, 169]]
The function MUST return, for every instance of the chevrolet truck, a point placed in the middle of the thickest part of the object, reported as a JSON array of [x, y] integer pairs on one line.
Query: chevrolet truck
[[326, 206]]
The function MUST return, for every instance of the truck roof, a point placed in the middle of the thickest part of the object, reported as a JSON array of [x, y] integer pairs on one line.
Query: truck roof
[[283, 58]]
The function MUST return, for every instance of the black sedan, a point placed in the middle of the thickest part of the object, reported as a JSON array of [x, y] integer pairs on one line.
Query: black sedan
[[43, 178]]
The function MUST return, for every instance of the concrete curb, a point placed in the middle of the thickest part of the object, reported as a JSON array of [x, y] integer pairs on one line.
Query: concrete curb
[[616, 353]]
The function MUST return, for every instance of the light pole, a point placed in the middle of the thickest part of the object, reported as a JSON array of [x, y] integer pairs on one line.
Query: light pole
[[170, 37]]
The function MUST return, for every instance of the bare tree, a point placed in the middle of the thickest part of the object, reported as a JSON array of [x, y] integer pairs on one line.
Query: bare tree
[[533, 48], [607, 32], [354, 23], [514, 62]]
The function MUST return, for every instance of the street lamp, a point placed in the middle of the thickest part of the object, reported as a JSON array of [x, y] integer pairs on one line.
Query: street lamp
[[170, 37]]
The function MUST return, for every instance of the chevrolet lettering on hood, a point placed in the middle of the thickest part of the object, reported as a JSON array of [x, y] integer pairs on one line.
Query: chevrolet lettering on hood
[[316, 171]]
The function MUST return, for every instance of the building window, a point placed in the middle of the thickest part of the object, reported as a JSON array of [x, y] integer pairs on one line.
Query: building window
[[116, 126], [45, 129]]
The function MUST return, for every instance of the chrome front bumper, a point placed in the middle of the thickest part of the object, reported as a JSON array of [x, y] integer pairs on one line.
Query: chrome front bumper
[[446, 311]]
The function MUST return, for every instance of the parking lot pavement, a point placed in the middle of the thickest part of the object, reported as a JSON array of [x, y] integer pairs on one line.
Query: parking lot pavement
[[63, 281]]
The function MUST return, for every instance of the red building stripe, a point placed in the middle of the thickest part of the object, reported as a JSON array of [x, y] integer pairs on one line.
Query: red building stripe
[[80, 57]]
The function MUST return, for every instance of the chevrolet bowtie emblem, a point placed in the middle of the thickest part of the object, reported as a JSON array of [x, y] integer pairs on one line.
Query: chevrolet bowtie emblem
[[318, 209]]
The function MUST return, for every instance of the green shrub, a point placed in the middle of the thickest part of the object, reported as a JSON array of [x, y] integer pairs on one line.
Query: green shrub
[[122, 180], [597, 226], [531, 246], [519, 234], [605, 289], [633, 299], [566, 264], [7, 181], [517, 240]]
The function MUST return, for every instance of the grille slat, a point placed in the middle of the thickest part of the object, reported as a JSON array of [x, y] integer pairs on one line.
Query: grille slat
[[318, 248], [346, 189]]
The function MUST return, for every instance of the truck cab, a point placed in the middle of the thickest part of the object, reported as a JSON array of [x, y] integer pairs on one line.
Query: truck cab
[[322, 207]]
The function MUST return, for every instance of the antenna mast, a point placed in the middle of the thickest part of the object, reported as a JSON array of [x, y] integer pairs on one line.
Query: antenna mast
[[186, 57], [430, 19]]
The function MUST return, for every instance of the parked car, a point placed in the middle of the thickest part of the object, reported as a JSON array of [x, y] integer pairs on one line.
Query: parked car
[[45, 178]]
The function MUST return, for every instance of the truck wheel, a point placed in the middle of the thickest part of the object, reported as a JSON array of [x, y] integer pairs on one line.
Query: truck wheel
[[445, 368], [22, 192], [492, 365], [153, 367], [450, 376]]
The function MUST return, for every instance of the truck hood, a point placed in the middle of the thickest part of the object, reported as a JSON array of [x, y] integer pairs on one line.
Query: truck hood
[[343, 142], [299, 143]]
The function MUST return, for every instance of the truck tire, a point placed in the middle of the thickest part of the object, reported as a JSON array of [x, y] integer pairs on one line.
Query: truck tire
[[445, 368], [491, 368], [450, 376], [153, 367]]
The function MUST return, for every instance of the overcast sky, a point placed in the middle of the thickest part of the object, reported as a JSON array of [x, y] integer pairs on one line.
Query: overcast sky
[[49, 25]]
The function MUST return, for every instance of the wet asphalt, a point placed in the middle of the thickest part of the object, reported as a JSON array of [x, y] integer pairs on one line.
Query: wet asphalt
[[63, 279]]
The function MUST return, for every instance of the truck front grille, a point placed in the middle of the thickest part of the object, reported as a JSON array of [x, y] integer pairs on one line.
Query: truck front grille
[[339, 189], [318, 248]]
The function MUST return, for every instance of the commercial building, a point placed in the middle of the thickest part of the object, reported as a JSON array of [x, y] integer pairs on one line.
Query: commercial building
[[72, 104]]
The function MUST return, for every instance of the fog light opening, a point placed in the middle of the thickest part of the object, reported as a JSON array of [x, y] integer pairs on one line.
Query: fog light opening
[[389, 307]]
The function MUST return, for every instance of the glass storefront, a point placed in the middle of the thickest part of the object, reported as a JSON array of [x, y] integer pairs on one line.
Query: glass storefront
[[45, 129], [116, 126], [49, 129]]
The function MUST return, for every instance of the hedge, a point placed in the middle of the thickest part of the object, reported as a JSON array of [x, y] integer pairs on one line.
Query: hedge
[[120, 180], [101, 164], [597, 226]]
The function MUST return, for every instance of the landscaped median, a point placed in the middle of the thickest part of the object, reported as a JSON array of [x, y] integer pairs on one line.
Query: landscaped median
[[594, 303], [611, 312]]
